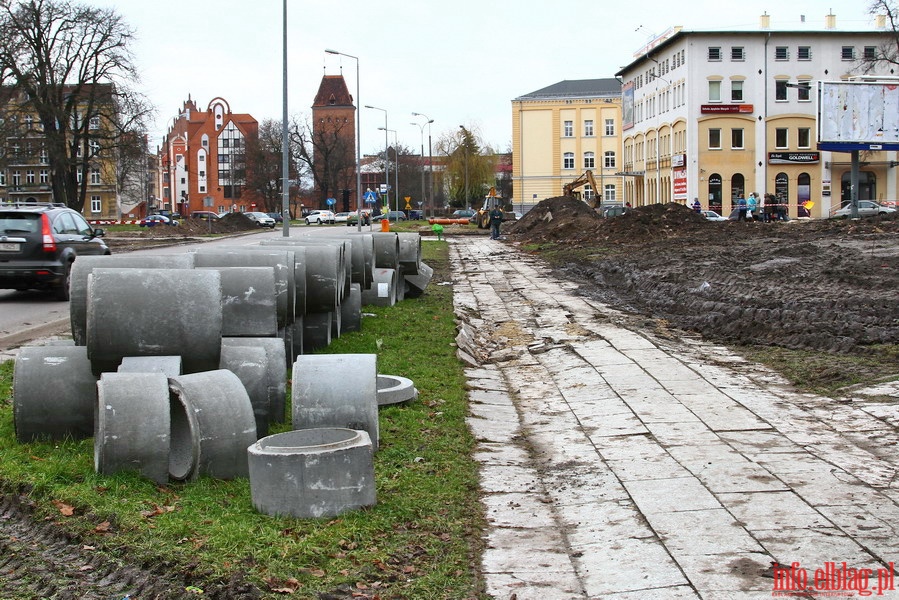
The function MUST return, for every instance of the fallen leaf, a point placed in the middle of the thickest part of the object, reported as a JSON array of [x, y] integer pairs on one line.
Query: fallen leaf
[[102, 527], [288, 586], [65, 509], [86, 568]]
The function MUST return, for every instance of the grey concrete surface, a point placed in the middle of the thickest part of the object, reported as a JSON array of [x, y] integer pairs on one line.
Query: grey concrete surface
[[618, 463]]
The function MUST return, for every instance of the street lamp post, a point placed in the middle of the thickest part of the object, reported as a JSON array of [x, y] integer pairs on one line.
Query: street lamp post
[[396, 168], [358, 142], [429, 197], [465, 157], [386, 159]]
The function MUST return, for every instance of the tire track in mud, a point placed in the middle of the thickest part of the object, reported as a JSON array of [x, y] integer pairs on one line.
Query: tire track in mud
[[38, 560]]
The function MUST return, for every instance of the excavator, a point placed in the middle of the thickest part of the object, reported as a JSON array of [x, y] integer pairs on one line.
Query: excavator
[[587, 177], [482, 218]]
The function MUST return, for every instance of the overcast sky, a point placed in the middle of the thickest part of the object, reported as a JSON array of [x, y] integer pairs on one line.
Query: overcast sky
[[460, 62]]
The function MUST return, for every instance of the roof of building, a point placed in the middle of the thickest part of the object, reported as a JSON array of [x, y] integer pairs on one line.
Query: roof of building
[[332, 91], [577, 88]]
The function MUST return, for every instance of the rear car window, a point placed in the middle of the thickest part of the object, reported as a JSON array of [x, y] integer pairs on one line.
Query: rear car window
[[19, 223]]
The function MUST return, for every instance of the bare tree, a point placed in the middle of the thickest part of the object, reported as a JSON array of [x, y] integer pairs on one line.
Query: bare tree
[[265, 167], [328, 154], [888, 52], [72, 66]]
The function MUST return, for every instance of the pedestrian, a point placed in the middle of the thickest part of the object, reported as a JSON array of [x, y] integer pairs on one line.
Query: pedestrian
[[741, 208], [696, 205], [752, 205], [496, 219]]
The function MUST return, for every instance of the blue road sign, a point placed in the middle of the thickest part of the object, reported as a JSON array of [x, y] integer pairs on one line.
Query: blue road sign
[[331, 201]]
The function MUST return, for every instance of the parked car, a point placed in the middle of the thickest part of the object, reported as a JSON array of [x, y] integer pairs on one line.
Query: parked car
[[39, 242], [341, 217], [866, 208], [319, 216], [153, 220], [261, 219], [206, 215], [276, 216], [613, 210], [464, 213], [711, 215], [392, 215], [353, 218]]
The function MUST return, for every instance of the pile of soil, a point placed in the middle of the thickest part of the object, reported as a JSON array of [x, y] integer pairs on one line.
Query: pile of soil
[[827, 285], [186, 231]]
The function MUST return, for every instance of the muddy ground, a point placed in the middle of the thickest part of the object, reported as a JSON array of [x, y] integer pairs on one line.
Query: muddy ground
[[829, 286]]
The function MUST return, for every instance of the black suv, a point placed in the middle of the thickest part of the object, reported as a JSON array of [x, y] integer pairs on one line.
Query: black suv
[[39, 242]]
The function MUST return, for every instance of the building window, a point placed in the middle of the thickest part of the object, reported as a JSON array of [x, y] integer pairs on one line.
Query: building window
[[736, 91], [45, 176], [610, 193], [804, 53], [737, 53], [96, 205], [568, 129], [29, 176], [44, 155], [736, 139], [848, 53], [588, 192], [781, 53], [781, 138], [714, 52], [95, 175], [610, 126], [223, 159], [78, 177], [203, 189], [589, 160], [568, 160], [94, 147], [29, 121], [714, 139], [609, 159], [2, 177], [588, 128], [226, 143], [94, 123], [16, 178], [870, 53], [805, 91], [714, 91], [780, 89], [804, 137]]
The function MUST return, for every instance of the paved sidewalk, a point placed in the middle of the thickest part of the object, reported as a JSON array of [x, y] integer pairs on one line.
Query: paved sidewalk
[[621, 464]]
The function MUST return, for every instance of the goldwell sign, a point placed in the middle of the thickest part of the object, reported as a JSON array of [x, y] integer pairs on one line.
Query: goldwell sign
[[858, 116]]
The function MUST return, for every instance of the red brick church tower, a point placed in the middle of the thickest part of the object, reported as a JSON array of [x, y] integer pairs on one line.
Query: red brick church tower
[[334, 144]]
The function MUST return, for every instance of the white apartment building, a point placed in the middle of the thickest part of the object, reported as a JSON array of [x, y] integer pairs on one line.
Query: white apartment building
[[715, 115]]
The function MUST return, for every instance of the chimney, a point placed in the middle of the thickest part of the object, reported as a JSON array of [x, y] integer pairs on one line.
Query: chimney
[[880, 22], [765, 21], [830, 21]]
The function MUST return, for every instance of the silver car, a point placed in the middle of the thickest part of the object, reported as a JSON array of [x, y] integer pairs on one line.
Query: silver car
[[866, 208]]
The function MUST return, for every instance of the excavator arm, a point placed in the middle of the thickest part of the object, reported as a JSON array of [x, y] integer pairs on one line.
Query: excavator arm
[[583, 179]]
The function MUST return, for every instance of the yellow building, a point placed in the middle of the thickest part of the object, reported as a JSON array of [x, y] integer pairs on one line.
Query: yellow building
[[561, 131], [25, 168], [717, 115]]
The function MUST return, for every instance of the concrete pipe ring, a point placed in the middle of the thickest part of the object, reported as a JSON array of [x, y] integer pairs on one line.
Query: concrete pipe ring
[[54, 393], [193, 331], [132, 425], [212, 426], [249, 301], [312, 473], [281, 262], [410, 252], [275, 371], [336, 390], [393, 389], [351, 310], [86, 264], [383, 288], [170, 366], [386, 250], [316, 334], [249, 364]]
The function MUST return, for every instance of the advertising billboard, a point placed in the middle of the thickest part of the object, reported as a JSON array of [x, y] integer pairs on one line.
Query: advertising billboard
[[858, 115]]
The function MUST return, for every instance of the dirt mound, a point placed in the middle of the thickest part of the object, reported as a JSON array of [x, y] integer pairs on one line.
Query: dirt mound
[[824, 284], [565, 219]]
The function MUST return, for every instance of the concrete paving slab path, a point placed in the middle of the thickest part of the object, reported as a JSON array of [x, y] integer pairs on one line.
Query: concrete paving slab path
[[621, 461]]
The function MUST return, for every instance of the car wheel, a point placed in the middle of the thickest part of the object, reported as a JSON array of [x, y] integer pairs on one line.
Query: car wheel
[[62, 291]]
